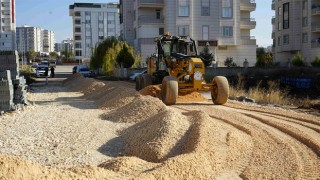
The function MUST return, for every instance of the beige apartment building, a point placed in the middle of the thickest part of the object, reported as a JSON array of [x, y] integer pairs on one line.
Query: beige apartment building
[[296, 28], [7, 25], [224, 24]]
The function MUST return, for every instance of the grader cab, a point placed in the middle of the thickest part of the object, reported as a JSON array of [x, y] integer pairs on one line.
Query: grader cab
[[179, 69]]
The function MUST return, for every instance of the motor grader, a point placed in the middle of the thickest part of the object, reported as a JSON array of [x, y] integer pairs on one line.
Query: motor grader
[[179, 69]]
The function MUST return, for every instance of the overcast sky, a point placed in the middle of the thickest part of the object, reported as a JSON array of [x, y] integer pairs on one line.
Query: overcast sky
[[54, 15]]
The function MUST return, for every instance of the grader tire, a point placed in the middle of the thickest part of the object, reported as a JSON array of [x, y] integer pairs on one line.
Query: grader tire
[[146, 80], [169, 90], [220, 90], [138, 82]]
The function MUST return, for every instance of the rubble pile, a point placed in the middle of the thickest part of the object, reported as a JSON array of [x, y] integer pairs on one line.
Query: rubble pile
[[13, 93]]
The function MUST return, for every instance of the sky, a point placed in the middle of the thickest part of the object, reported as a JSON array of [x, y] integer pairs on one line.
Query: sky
[[54, 15]]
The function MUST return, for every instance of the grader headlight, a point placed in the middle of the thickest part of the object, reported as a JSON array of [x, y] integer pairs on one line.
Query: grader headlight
[[198, 75]]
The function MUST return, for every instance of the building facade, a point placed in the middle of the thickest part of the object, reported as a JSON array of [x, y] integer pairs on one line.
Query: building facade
[[224, 24], [48, 40], [92, 23], [28, 38], [296, 28], [7, 25], [34, 38], [65, 45]]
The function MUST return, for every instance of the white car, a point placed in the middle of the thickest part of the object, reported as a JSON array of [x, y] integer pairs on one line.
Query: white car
[[82, 69], [134, 75], [41, 70]]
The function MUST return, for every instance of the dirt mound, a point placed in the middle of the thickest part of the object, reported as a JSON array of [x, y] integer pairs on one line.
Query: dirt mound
[[141, 108], [191, 97], [72, 78], [132, 166], [155, 91], [152, 90], [157, 138]]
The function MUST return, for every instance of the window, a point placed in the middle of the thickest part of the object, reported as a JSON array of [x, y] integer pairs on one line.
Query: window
[[279, 26], [227, 12], [304, 21], [78, 53], [78, 45], [110, 22], [135, 33], [100, 21], [286, 16], [161, 31], [279, 11], [110, 29], [101, 37], [87, 22], [77, 13], [184, 8], [205, 8], [205, 32], [77, 29], [77, 37], [285, 39], [100, 29], [158, 15], [279, 41], [87, 13], [77, 21], [111, 15], [305, 38], [227, 31], [183, 30]]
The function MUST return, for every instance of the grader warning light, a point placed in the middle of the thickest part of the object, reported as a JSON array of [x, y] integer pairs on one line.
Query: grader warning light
[[178, 68]]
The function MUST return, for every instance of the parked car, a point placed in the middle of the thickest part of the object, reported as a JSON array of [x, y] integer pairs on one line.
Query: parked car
[[134, 75], [34, 65], [82, 69], [41, 70], [45, 63]]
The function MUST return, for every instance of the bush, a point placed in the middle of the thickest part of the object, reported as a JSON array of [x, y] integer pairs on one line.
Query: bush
[[298, 60], [125, 58], [316, 62], [229, 62]]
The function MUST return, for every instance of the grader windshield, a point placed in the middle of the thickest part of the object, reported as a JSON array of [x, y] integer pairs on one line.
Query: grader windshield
[[180, 46]]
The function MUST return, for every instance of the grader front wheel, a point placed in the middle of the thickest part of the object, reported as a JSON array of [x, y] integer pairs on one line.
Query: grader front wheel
[[169, 90], [220, 90], [139, 82]]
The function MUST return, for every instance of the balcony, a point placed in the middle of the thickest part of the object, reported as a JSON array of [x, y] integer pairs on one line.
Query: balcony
[[315, 11], [315, 28], [248, 40], [144, 19], [248, 5], [273, 20], [273, 35], [273, 5], [247, 23], [150, 3], [5, 15], [6, 24], [315, 43], [5, 8]]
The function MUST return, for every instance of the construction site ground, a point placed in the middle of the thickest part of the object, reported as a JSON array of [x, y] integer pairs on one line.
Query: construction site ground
[[82, 128]]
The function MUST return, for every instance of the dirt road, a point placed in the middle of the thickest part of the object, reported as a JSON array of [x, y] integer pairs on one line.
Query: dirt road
[[117, 133]]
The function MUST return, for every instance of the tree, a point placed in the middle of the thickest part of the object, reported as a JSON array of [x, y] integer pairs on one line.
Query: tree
[[263, 58], [125, 58], [297, 60], [316, 62], [229, 62], [99, 53], [53, 54], [31, 55]]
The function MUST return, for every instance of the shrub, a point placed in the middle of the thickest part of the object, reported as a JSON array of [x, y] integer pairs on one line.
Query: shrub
[[316, 62], [229, 62], [298, 60]]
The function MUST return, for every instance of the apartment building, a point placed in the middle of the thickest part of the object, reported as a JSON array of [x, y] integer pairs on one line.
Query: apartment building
[[296, 28], [223, 24], [48, 40], [28, 38], [34, 38], [65, 45], [7, 25], [92, 23]]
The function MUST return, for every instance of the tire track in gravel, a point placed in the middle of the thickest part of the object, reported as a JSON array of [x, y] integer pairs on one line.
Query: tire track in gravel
[[288, 157]]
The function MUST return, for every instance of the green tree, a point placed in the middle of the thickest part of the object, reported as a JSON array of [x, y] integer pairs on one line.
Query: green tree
[[138, 61], [263, 58], [316, 62], [297, 60], [53, 55], [229, 62], [125, 58], [31, 55], [99, 53]]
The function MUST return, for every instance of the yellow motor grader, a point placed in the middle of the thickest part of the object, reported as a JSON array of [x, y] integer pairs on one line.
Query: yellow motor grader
[[179, 69]]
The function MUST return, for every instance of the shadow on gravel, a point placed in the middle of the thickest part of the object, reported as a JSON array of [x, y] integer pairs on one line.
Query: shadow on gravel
[[113, 148]]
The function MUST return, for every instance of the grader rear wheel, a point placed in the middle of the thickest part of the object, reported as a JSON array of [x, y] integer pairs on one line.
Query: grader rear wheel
[[220, 90], [169, 90], [138, 82]]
